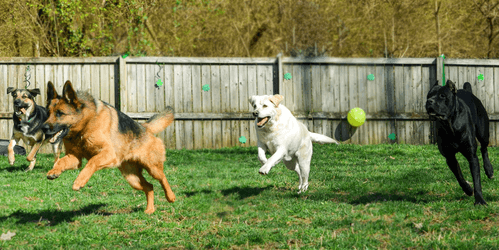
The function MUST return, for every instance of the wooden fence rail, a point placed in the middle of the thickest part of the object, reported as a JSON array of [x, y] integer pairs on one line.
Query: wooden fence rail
[[210, 95]]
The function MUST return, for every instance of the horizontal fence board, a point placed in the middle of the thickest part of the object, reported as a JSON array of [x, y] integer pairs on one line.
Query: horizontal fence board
[[201, 60], [347, 61]]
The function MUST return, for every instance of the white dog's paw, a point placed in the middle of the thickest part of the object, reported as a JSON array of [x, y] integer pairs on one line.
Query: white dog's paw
[[263, 170], [302, 189]]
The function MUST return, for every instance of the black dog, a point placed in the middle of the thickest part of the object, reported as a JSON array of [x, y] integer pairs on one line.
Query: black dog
[[460, 118], [28, 120]]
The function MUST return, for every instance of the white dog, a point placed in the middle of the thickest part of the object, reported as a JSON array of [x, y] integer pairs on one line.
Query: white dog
[[284, 137]]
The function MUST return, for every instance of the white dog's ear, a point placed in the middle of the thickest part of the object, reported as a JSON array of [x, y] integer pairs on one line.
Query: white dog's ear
[[276, 99], [251, 100]]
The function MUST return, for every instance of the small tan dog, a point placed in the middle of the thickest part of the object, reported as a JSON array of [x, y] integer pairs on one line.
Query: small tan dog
[[284, 137]]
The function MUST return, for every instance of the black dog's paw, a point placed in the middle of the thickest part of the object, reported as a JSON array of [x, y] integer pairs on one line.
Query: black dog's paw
[[481, 203]]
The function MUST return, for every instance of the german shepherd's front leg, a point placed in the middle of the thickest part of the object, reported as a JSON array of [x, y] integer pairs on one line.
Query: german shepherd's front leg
[[106, 158], [67, 162]]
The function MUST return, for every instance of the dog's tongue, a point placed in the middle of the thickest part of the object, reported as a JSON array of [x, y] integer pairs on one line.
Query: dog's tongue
[[23, 110], [262, 121]]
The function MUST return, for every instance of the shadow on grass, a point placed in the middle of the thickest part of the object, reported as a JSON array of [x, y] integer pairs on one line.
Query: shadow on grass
[[384, 197], [244, 192], [18, 168], [54, 217], [189, 194]]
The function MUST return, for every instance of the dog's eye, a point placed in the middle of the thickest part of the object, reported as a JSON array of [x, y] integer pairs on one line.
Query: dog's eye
[[58, 113], [264, 106], [442, 96]]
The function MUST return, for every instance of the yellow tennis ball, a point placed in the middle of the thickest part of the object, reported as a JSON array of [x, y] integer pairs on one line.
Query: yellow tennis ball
[[356, 117]]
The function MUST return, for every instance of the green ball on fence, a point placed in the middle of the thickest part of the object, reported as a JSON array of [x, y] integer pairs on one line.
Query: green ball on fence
[[242, 139], [480, 77], [392, 136], [206, 87], [356, 117], [159, 83]]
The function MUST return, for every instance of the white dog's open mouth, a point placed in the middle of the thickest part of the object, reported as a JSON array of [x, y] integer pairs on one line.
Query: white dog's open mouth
[[262, 121]]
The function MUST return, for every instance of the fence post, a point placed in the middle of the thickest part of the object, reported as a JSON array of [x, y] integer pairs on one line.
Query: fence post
[[439, 76], [278, 77], [440, 71], [122, 85]]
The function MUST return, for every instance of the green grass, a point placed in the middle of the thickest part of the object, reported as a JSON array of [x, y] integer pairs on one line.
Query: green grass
[[363, 197]]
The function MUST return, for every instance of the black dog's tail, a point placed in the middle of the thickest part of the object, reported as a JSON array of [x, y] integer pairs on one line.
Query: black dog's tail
[[467, 87]]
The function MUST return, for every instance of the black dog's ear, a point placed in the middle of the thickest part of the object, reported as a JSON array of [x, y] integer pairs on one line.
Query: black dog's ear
[[10, 90], [34, 92], [51, 92], [435, 84], [69, 93], [452, 87]]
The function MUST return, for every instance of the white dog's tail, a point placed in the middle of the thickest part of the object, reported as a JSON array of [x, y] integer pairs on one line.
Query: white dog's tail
[[321, 139]]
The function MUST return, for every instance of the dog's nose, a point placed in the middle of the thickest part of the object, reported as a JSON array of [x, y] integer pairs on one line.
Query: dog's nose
[[17, 102], [430, 101], [255, 113]]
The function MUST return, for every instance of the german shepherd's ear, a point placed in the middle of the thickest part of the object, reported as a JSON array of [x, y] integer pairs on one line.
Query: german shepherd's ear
[[452, 87], [69, 93], [34, 92], [10, 90], [276, 99], [51, 92]]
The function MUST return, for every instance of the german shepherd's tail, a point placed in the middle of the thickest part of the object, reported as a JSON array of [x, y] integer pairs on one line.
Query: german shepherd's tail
[[160, 121], [467, 87], [321, 139]]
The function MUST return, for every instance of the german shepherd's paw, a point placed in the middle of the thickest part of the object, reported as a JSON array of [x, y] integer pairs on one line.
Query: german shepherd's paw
[[52, 174]]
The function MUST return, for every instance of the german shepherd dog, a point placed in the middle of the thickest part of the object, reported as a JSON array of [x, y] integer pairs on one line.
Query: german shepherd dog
[[107, 138], [28, 120]]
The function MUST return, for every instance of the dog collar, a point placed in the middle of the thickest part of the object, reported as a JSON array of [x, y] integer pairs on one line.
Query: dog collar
[[29, 119]]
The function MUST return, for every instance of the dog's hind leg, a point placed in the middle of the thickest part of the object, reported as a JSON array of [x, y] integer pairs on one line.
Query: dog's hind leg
[[293, 165], [133, 174], [475, 172], [304, 165], [483, 137], [156, 171], [456, 169]]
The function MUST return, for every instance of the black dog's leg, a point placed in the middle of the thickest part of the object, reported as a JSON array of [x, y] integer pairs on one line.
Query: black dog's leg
[[489, 171], [475, 172], [483, 135], [456, 169]]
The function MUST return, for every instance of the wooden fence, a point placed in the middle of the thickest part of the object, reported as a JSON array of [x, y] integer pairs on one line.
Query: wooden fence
[[320, 93]]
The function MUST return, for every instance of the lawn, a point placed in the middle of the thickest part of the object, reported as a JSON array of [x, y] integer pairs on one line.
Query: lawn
[[362, 197]]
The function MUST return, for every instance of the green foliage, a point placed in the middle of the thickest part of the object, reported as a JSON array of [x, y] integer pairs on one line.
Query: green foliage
[[218, 28], [364, 197]]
